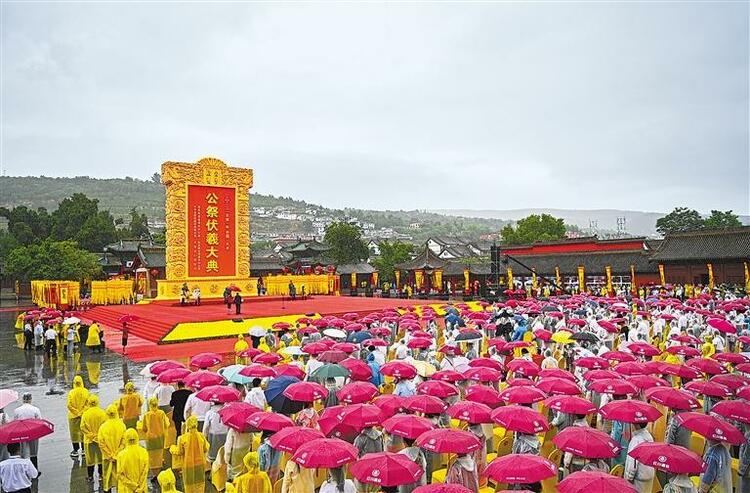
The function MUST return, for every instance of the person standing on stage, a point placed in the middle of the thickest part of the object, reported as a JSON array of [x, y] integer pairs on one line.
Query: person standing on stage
[[238, 303]]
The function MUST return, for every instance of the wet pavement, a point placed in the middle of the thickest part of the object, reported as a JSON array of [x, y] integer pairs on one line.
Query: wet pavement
[[22, 371]]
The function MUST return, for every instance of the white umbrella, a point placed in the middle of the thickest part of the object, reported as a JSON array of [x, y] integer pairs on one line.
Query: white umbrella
[[292, 351], [146, 371], [334, 333], [71, 321], [257, 331]]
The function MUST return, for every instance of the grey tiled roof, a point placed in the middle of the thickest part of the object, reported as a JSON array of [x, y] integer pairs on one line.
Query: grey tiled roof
[[725, 244], [593, 262]]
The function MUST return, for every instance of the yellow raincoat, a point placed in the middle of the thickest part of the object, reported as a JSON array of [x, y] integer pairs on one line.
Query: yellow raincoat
[[93, 339], [193, 447], [167, 481], [19, 320], [95, 369], [91, 419], [77, 399], [132, 466], [155, 425], [253, 480], [240, 345], [110, 439], [130, 405], [262, 346]]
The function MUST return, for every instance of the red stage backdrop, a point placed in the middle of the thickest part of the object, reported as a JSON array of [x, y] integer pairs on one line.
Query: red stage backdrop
[[211, 231]]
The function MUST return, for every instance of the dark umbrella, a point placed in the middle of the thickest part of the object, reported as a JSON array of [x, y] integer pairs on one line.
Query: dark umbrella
[[468, 336], [276, 399], [549, 308], [584, 336], [358, 337], [580, 312]]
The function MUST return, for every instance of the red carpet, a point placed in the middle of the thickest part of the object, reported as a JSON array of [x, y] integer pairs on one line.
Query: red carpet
[[155, 320]]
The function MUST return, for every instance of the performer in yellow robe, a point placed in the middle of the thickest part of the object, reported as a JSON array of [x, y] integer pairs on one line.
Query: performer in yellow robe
[[168, 482], [77, 399], [91, 419], [154, 425], [193, 447], [130, 405], [253, 480], [132, 466], [110, 439]]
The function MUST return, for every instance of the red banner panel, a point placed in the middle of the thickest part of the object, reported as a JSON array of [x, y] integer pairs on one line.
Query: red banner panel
[[211, 231]]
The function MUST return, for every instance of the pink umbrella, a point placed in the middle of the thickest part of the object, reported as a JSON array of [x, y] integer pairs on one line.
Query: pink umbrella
[[425, 404], [173, 375], [325, 453], [630, 368], [681, 371], [448, 376], [733, 358], [688, 351], [586, 442], [470, 412], [399, 369], [448, 440], [483, 374], [218, 394], [205, 360], [521, 419], [250, 352], [267, 358], [291, 438], [358, 369], [570, 404], [269, 421], [644, 382], [593, 375], [389, 404], [332, 356], [734, 410], [486, 363], [419, 343], [522, 395], [707, 365], [668, 458], [437, 388], [161, 366], [520, 382], [201, 379], [483, 394], [556, 373], [643, 348], [407, 425], [346, 347], [386, 469], [520, 468], [732, 380], [542, 334], [375, 343], [613, 386], [333, 427], [629, 411], [257, 371], [360, 416], [592, 363], [712, 389], [314, 348], [524, 367], [743, 392], [619, 356], [608, 326], [722, 325], [242, 409], [558, 386], [594, 482], [672, 398], [25, 430], [710, 427], [305, 392], [289, 371], [357, 392]]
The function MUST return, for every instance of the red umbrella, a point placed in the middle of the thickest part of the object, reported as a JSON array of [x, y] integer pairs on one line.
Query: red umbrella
[[314, 348], [24, 430], [407, 425], [161, 366], [289, 370], [250, 352], [332, 356], [544, 335], [521, 419], [386, 469], [360, 416], [722, 325], [707, 365], [558, 386], [357, 392], [619, 356], [521, 395], [267, 358], [399, 369], [173, 375], [630, 368], [389, 404], [233, 287], [326, 453], [594, 482], [305, 392], [644, 382], [570, 404], [672, 459], [688, 351], [681, 371], [346, 347], [241, 409], [238, 420], [218, 394], [205, 360], [586, 442], [731, 380], [712, 389], [733, 358], [524, 367], [425, 404], [710, 427], [281, 325], [419, 343], [734, 410], [686, 339], [437, 388], [375, 342], [257, 371], [630, 411], [486, 363], [448, 440], [470, 412], [592, 363], [613, 386], [445, 488], [592, 375], [483, 374], [556, 373], [269, 421], [450, 376], [127, 318], [608, 326], [643, 348], [485, 395], [201, 379], [520, 468], [672, 398], [333, 427], [358, 369], [289, 439]]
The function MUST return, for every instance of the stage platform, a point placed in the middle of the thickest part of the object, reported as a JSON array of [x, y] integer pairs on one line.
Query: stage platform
[[165, 330]]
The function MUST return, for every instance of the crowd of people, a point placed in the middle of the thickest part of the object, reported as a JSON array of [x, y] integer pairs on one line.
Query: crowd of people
[[535, 394]]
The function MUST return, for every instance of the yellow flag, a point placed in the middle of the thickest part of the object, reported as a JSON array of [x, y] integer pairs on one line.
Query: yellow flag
[[661, 274], [418, 278], [710, 276], [581, 279], [747, 279], [557, 276], [397, 274], [509, 273], [533, 279], [633, 286], [608, 271], [439, 279]]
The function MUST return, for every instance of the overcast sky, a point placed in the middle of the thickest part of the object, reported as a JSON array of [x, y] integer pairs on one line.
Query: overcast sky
[[477, 106]]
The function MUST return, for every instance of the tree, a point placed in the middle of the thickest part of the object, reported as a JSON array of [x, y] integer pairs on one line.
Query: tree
[[27, 225], [71, 214], [722, 220], [390, 255], [96, 232], [54, 260], [680, 219], [346, 243], [534, 228], [138, 225], [156, 178]]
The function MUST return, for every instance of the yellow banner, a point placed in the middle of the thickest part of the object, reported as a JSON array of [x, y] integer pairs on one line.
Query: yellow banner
[[375, 279], [633, 287], [533, 279], [710, 276], [438, 279], [467, 281], [747, 279], [397, 273], [354, 280], [509, 273], [557, 277], [418, 279], [661, 275], [608, 272], [581, 279]]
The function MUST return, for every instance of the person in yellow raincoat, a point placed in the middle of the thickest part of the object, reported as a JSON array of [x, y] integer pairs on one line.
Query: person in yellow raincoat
[[192, 447], [240, 346], [19, 320], [167, 482], [263, 346], [253, 480], [132, 466], [707, 349], [91, 419], [130, 406], [155, 424], [94, 341], [77, 400], [110, 439]]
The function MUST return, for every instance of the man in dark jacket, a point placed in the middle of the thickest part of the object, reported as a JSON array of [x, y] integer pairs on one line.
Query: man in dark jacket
[[177, 402]]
